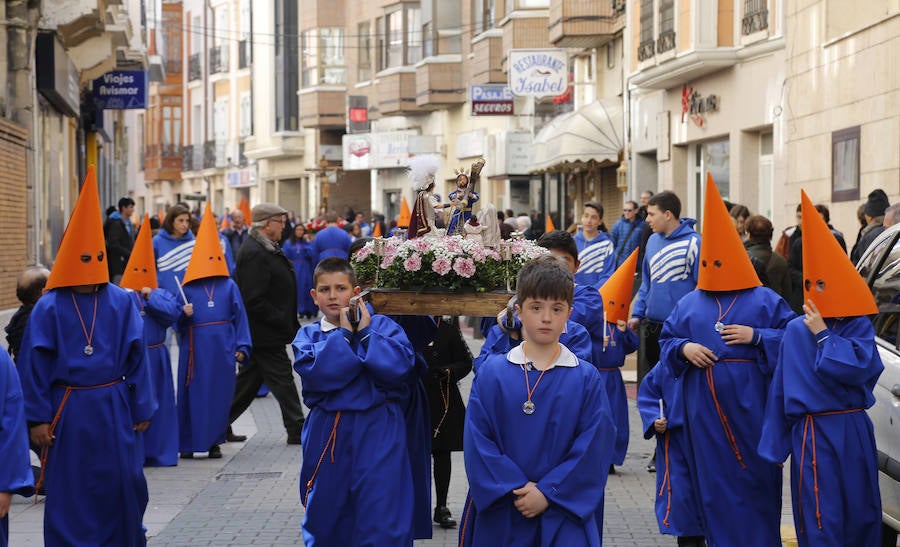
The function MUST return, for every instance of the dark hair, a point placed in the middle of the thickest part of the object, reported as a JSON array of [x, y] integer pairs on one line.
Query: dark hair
[[666, 201], [759, 228], [633, 204], [334, 265], [174, 212], [357, 244], [823, 210], [545, 277], [293, 236], [154, 223], [331, 217], [30, 284], [125, 202], [559, 240], [596, 206], [500, 216], [647, 192], [739, 211], [509, 213]]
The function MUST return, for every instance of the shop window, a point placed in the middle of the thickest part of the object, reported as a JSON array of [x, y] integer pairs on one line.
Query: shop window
[[845, 164]]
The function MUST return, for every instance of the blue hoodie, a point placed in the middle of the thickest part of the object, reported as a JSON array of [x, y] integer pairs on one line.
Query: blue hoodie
[[669, 271], [597, 259]]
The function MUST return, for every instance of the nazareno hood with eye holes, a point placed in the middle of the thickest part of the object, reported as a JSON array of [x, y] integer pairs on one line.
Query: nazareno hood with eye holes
[[829, 278], [724, 263], [81, 258], [140, 271], [207, 259]]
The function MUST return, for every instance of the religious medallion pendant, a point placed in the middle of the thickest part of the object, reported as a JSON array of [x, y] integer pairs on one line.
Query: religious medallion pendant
[[528, 407]]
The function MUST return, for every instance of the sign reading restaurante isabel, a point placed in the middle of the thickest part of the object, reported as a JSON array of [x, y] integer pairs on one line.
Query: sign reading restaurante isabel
[[538, 72]]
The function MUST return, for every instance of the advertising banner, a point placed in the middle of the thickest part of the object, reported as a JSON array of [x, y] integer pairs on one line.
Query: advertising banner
[[121, 90]]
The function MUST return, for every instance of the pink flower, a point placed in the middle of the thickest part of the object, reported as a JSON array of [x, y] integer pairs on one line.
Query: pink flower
[[454, 246], [413, 263], [387, 261], [421, 244], [363, 253], [441, 266], [479, 254], [465, 267]]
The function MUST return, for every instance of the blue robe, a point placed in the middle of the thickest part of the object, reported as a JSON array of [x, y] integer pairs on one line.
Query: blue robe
[[15, 473], [460, 216], [565, 447], [740, 493], [576, 339], [300, 254], [95, 482], [207, 343], [355, 478], [677, 507], [816, 413], [609, 363], [160, 440]]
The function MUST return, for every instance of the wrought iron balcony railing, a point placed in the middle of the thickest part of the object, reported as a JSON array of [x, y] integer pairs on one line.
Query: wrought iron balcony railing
[[756, 17], [646, 50], [666, 41], [194, 67]]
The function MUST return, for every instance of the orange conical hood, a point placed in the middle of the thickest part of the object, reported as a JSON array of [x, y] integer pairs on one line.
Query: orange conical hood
[[244, 206], [81, 258], [617, 290], [141, 269], [829, 278], [207, 259], [724, 263], [549, 227], [405, 214], [376, 232]]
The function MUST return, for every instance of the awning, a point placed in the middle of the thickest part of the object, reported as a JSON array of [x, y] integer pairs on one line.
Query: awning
[[593, 132]]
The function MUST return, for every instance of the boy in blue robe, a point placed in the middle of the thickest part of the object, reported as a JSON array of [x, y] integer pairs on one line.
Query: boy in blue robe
[[355, 479], [596, 257], [677, 508], [827, 368], [539, 435], [88, 391], [15, 473], [213, 334], [721, 341]]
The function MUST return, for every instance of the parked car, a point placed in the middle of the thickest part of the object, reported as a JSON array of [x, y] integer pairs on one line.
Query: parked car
[[880, 266]]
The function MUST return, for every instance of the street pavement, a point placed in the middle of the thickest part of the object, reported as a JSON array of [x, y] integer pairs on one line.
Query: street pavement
[[251, 496]]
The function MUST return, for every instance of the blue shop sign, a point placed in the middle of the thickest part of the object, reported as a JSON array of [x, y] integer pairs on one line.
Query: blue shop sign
[[491, 100], [121, 90]]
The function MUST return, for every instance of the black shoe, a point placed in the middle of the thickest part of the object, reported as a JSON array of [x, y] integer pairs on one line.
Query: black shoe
[[612, 469], [293, 438], [215, 452], [232, 438], [651, 467], [443, 518], [187, 455]]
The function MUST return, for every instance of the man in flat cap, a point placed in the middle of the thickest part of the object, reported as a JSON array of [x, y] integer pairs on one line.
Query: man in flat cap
[[269, 290]]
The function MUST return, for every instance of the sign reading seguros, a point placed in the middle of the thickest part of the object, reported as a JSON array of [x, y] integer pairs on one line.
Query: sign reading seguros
[[538, 72]]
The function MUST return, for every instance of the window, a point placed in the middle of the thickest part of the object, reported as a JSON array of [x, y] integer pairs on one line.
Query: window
[[246, 115], [666, 40], [364, 47], [172, 36], [286, 77], [403, 43], [245, 44], [646, 48], [394, 39], [483, 13], [323, 57], [380, 44], [845, 164], [756, 16], [512, 5], [413, 36]]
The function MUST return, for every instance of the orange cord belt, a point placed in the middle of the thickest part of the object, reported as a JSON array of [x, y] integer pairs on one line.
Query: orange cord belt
[[45, 450], [667, 481], [331, 442], [462, 534], [729, 433], [809, 428], [190, 370], [151, 346]]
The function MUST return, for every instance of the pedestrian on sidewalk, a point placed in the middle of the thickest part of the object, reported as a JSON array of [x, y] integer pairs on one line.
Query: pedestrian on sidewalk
[[721, 341], [213, 334], [29, 288], [537, 448], [119, 233], [355, 383], [449, 361], [268, 287], [660, 405], [827, 368], [626, 232], [15, 473], [88, 391]]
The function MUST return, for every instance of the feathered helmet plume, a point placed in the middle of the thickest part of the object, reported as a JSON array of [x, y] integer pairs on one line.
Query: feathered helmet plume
[[421, 170]]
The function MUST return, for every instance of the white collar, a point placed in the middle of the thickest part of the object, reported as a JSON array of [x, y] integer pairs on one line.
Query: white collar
[[327, 326], [566, 358]]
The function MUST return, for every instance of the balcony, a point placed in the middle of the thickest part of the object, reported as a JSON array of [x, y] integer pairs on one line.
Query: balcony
[[646, 50], [209, 154], [194, 67], [323, 108], [395, 91], [187, 158], [525, 32], [584, 23], [666, 41], [756, 17], [244, 53], [439, 81], [486, 65], [173, 67], [75, 22], [218, 59]]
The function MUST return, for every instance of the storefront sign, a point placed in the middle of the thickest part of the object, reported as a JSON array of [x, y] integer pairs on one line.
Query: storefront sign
[[121, 90], [57, 78], [696, 106], [470, 144], [519, 153], [538, 72], [491, 100], [376, 150], [241, 178]]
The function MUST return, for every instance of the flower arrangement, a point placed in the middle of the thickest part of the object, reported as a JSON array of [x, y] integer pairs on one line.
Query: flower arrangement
[[317, 224], [445, 263]]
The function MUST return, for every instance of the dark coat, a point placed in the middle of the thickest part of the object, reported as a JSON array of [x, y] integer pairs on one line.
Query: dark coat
[[118, 244], [269, 289], [236, 239], [449, 361], [776, 267]]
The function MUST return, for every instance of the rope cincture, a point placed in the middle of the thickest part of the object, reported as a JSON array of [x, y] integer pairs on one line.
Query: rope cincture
[[332, 442], [190, 370], [729, 433], [667, 481]]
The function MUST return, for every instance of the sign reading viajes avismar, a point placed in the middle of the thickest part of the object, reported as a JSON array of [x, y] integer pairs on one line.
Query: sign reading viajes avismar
[[538, 72]]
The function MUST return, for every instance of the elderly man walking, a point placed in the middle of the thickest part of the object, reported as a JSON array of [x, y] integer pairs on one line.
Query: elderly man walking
[[269, 290]]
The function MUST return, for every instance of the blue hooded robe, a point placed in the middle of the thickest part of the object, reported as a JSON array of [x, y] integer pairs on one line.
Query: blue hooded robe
[[816, 413], [609, 363], [96, 488], [740, 493], [15, 473], [207, 343], [355, 456], [300, 253], [575, 338], [565, 447]]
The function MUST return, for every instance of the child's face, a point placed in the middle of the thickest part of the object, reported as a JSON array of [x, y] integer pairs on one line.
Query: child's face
[[543, 320], [590, 219], [333, 292], [570, 261]]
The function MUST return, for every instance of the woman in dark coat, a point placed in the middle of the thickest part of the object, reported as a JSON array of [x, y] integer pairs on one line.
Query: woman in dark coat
[[449, 360]]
